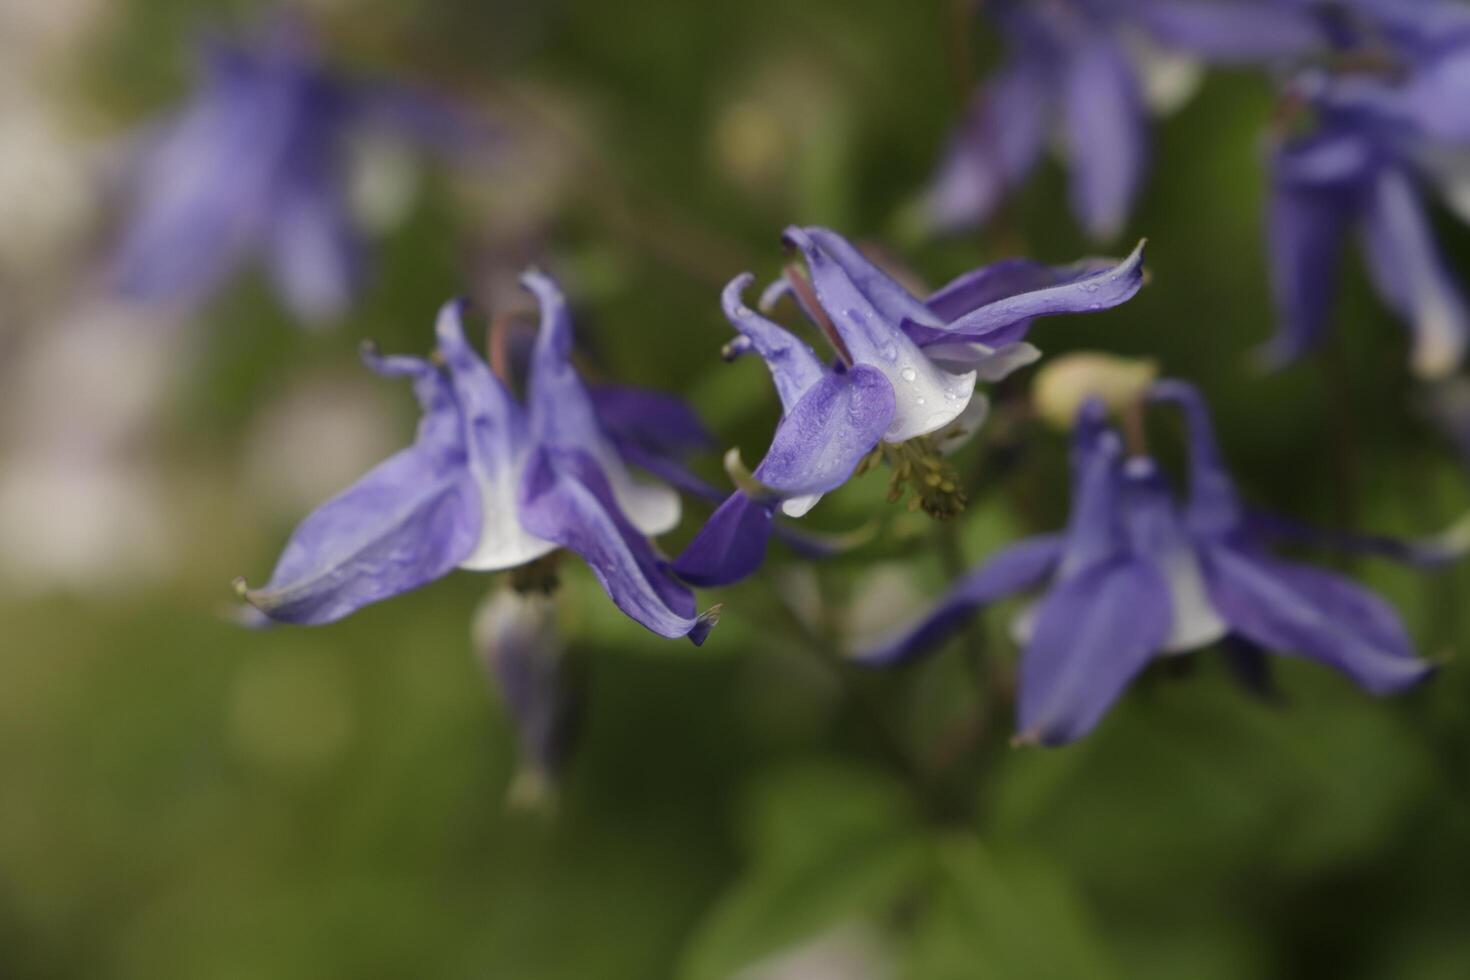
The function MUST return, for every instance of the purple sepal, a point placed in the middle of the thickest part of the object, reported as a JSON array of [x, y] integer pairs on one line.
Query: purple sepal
[[730, 546], [1021, 566], [1289, 609], [565, 498], [1094, 633]]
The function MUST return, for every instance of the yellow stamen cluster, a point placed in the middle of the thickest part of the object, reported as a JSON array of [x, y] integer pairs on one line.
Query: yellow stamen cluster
[[921, 471]]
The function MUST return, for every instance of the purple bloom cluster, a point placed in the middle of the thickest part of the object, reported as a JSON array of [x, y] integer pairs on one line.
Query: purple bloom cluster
[[1140, 573], [1366, 134], [1080, 66]]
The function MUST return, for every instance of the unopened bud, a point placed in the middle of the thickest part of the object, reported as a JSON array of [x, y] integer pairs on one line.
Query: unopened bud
[[516, 638], [1066, 382]]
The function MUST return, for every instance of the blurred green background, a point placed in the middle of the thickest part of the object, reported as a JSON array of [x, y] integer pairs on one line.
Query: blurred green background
[[184, 798]]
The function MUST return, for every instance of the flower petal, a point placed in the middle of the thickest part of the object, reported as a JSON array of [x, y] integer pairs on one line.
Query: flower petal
[[563, 415], [1233, 30], [1412, 277], [927, 398], [1001, 301], [410, 520], [1156, 535], [992, 150], [565, 498], [1434, 551], [498, 441], [730, 546], [1306, 227], [1094, 633], [794, 366], [1214, 508], [893, 302], [1014, 569], [1106, 126], [654, 419], [826, 434], [314, 254], [1095, 531], [1293, 609]]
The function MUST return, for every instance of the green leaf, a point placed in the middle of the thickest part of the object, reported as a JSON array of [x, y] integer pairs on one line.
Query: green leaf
[[831, 846], [1008, 914]]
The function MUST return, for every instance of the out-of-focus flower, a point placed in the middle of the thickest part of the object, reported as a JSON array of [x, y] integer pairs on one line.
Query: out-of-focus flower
[[491, 484], [1139, 573], [906, 368], [516, 639], [256, 163], [1085, 68], [1383, 119]]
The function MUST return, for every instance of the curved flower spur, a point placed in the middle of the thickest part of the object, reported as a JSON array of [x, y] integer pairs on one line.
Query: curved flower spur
[[491, 484], [903, 379], [1139, 574]]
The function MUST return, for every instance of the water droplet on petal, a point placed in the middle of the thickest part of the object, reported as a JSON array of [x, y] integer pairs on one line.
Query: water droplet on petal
[[889, 352], [908, 374], [919, 400]]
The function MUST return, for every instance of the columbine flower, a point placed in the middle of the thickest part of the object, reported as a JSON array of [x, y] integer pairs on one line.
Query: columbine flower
[[1138, 574], [1089, 68], [1366, 140], [491, 484], [905, 369], [256, 163]]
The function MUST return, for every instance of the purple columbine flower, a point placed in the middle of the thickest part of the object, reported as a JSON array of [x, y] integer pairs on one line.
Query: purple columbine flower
[[1082, 67], [904, 368], [492, 484], [1366, 143], [1139, 574], [256, 164]]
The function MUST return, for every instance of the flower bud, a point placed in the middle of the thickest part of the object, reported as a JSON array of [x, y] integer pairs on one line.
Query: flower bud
[[1065, 382], [516, 639]]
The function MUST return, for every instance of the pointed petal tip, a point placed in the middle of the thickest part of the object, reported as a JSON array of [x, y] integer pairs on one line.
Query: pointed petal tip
[[732, 297], [449, 323], [537, 281], [705, 623], [241, 589], [736, 349]]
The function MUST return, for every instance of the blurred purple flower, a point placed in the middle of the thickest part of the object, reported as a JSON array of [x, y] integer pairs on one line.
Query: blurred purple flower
[[1376, 137], [256, 163], [491, 484], [1139, 574], [905, 368], [1081, 67]]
